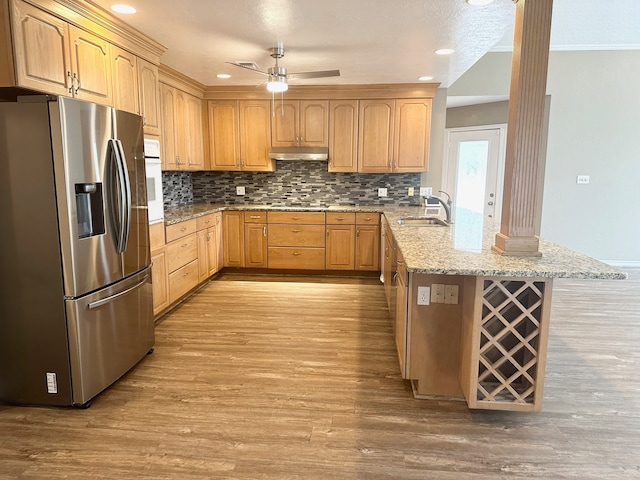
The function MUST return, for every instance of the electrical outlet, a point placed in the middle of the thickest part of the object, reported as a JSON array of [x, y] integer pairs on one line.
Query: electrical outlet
[[423, 295], [451, 294], [582, 179], [411, 191], [426, 191], [239, 190], [437, 293], [382, 192]]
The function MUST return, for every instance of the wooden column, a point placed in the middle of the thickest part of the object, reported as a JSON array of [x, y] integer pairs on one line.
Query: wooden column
[[524, 133]]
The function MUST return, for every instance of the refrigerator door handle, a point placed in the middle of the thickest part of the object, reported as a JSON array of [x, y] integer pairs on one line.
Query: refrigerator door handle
[[126, 195], [104, 301]]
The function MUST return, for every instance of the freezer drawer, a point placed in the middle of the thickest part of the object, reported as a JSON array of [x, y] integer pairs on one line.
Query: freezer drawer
[[109, 332]]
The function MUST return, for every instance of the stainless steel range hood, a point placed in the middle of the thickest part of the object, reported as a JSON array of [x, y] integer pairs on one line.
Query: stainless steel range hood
[[299, 153]]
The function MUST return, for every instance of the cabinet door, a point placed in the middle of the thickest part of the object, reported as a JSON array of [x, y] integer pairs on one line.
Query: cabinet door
[[401, 322], [203, 256], [375, 135], [149, 98], [340, 247], [343, 135], [41, 43], [91, 62], [255, 245], [367, 247], [125, 80], [314, 123], [212, 250], [285, 124], [180, 125], [412, 129], [194, 142], [168, 108], [233, 233], [255, 136], [219, 242], [224, 143], [159, 280]]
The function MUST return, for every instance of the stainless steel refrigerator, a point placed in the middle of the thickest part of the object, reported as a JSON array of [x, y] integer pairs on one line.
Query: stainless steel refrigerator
[[75, 289]]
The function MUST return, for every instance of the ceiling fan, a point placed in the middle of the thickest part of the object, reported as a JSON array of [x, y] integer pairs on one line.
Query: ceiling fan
[[278, 76]]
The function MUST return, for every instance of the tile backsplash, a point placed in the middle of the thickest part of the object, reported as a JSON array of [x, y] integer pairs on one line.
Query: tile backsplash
[[304, 183]]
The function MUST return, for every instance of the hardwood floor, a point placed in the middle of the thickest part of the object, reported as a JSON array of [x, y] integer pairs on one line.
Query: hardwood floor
[[256, 379]]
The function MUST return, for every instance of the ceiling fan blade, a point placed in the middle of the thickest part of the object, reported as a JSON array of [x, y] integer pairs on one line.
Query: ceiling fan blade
[[319, 74], [247, 68]]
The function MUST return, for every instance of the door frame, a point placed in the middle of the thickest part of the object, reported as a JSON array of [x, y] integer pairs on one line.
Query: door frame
[[502, 148]]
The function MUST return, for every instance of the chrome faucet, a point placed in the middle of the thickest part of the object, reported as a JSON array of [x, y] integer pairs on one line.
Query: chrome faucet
[[445, 204]]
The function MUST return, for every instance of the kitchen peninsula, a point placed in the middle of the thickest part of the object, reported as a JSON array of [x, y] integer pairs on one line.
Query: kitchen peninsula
[[468, 323]]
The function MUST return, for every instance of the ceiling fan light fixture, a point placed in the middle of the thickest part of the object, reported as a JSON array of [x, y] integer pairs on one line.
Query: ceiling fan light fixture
[[277, 85]]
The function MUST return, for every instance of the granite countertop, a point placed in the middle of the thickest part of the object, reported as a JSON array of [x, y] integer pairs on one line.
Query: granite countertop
[[463, 248]]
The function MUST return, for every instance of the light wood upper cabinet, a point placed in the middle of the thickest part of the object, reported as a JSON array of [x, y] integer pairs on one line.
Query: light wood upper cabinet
[[168, 115], [240, 135], [125, 80], [301, 123], [42, 51], [393, 135], [148, 93], [375, 136], [224, 141], [343, 135], [412, 131], [255, 135], [193, 133], [91, 65], [181, 122]]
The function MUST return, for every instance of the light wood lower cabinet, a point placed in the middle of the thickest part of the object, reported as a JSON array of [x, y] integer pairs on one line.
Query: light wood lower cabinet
[[255, 239], [182, 280], [233, 234], [159, 279], [296, 240], [367, 242], [340, 230]]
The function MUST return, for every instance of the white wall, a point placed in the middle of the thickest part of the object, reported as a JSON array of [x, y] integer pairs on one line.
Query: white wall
[[594, 129], [433, 178]]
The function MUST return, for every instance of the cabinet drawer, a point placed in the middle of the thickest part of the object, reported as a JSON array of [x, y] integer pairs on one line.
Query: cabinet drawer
[[367, 218], [156, 235], [296, 258], [298, 218], [180, 230], [296, 236], [205, 221], [335, 218], [255, 217], [182, 251], [183, 280]]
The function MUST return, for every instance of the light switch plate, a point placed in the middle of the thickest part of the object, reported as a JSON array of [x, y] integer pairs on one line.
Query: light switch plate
[[583, 179], [437, 293], [240, 191], [451, 294], [382, 192], [426, 191]]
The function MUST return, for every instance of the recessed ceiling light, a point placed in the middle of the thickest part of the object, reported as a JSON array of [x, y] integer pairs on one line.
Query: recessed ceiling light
[[223, 75], [479, 3], [445, 51], [120, 8], [425, 78]]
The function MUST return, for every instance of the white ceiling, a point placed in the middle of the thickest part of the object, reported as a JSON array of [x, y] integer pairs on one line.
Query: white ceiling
[[369, 41]]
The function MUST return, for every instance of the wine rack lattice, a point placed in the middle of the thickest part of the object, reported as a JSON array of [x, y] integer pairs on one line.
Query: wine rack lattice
[[510, 339]]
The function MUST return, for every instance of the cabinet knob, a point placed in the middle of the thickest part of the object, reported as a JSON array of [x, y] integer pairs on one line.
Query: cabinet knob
[[254, 216], [295, 254], [295, 230], [264, 231]]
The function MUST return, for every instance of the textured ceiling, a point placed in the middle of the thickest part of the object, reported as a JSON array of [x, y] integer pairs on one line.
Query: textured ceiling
[[369, 41]]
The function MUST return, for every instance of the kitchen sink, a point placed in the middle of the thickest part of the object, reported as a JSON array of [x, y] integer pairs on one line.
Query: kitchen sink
[[423, 222]]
